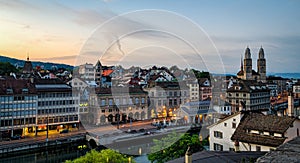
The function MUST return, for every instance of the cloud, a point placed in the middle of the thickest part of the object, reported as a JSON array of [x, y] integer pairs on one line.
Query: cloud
[[18, 5], [57, 58]]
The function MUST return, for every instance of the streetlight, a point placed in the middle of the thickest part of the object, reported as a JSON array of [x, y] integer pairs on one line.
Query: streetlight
[[118, 118], [47, 125]]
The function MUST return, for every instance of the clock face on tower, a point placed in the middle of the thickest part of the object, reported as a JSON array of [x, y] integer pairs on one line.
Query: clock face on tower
[[248, 69]]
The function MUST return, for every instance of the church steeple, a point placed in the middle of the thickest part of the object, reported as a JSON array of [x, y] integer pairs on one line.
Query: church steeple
[[98, 73], [261, 65], [27, 68], [261, 54], [247, 65], [242, 67], [247, 53]]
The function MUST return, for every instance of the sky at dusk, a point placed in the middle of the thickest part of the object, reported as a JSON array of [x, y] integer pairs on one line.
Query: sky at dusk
[[200, 34]]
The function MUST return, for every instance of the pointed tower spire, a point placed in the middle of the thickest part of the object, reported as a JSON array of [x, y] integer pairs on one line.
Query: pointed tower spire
[[261, 53], [27, 56], [242, 66]]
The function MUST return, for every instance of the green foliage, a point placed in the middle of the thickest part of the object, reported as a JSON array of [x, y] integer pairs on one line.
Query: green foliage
[[176, 150], [6, 68], [105, 156], [202, 74]]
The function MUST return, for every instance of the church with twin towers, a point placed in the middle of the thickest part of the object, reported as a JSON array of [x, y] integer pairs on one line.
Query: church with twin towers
[[247, 73]]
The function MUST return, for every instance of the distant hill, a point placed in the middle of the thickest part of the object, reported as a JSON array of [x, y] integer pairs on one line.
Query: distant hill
[[287, 75], [47, 65]]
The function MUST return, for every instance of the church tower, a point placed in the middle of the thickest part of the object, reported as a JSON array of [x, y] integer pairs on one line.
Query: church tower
[[261, 65], [27, 68], [247, 65], [98, 73]]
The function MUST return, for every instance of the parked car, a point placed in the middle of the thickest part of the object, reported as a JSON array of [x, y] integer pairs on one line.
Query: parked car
[[6, 139], [16, 137], [148, 133], [64, 131]]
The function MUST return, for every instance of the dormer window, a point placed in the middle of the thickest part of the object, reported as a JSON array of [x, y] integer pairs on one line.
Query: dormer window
[[9, 91], [25, 90], [237, 88]]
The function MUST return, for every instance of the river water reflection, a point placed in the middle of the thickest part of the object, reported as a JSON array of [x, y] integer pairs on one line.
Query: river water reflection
[[54, 154]]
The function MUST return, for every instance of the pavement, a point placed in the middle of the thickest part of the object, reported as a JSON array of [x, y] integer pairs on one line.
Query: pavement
[[42, 136]]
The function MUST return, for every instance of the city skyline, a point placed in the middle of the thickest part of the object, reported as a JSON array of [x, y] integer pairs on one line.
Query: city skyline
[[57, 31]]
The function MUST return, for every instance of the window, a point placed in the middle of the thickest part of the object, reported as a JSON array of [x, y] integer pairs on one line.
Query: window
[[102, 102], [233, 125], [225, 124], [159, 102], [231, 149], [124, 101], [218, 134], [137, 101], [117, 101], [218, 147], [258, 148], [170, 93], [110, 102], [130, 101], [143, 100]]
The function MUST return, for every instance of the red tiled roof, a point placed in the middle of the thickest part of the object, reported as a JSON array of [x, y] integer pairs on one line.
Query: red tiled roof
[[107, 72]]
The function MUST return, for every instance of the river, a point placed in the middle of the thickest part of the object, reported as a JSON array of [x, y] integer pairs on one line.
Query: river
[[55, 154]]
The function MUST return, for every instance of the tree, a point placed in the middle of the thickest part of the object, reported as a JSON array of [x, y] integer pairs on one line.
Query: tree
[[176, 150], [6, 68], [202, 74], [105, 156]]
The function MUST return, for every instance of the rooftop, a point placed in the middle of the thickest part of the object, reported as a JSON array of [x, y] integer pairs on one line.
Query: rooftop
[[221, 157], [263, 123], [287, 152]]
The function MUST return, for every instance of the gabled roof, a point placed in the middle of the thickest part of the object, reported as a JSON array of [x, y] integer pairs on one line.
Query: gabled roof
[[107, 72], [263, 123], [287, 152], [119, 90], [16, 86], [248, 86], [255, 73], [201, 81], [240, 73], [225, 119]]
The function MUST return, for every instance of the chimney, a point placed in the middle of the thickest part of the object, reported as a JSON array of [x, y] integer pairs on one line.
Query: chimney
[[290, 109], [236, 146], [31, 79], [188, 156]]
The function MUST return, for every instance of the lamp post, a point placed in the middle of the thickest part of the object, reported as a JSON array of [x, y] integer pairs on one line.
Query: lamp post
[[118, 118], [47, 126]]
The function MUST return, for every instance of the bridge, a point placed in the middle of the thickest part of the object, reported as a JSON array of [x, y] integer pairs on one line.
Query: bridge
[[136, 143]]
